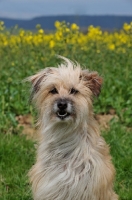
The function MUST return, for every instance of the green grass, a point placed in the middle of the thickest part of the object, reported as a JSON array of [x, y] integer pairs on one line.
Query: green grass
[[16, 158], [119, 139]]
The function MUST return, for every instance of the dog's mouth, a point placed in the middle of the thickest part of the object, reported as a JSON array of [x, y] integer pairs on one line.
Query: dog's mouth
[[63, 114]]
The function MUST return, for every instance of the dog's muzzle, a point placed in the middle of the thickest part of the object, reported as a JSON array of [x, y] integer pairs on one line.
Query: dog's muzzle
[[63, 108]]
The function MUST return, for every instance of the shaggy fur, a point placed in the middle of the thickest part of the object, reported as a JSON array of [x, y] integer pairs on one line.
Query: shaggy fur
[[73, 161]]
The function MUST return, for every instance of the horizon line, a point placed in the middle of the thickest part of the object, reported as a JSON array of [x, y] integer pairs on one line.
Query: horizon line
[[56, 15]]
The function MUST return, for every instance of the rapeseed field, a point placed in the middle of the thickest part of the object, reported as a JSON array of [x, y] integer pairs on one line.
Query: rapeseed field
[[23, 53]]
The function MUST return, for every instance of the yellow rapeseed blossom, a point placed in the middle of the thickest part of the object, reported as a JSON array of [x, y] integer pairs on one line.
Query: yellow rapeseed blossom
[[41, 31], [38, 26], [127, 27], [57, 24], [111, 46], [74, 27], [1, 26], [52, 44], [68, 36], [21, 33], [1, 23]]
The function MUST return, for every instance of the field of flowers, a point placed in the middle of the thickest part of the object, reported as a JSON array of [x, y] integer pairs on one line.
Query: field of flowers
[[23, 53]]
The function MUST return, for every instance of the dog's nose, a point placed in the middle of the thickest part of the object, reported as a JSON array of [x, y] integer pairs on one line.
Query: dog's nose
[[62, 104]]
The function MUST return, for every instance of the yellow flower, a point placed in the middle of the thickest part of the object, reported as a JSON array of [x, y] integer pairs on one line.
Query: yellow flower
[[126, 27], [74, 27], [38, 26], [5, 43], [22, 32], [52, 44], [57, 36], [111, 46], [67, 30], [65, 35], [1, 23], [41, 31], [57, 24]]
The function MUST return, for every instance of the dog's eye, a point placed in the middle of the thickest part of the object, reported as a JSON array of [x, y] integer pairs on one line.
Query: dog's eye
[[54, 91], [73, 91]]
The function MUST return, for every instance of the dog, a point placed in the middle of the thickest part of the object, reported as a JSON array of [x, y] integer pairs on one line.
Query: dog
[[73, 160]]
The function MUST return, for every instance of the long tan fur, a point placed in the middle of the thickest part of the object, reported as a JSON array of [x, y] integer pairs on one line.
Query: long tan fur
[[73, 161]]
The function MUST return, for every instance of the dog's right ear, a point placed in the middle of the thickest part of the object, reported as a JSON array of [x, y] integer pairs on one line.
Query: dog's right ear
[[37, 79], [93, 81]]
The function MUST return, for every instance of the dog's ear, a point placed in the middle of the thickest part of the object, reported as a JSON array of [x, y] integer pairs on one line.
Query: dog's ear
[[93, 81], [37, 79]]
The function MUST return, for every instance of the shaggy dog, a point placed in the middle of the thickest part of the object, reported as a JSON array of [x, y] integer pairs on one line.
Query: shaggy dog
[[73, 161]]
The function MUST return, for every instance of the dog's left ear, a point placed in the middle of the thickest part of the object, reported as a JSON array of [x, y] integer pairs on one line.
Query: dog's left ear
[[93, 81], [37, 79]]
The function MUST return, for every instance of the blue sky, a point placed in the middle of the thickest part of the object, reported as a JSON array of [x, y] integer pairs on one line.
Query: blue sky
[[25, 9]]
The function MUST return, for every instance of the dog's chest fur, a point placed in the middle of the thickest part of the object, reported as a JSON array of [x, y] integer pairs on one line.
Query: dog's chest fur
[[69, 167]]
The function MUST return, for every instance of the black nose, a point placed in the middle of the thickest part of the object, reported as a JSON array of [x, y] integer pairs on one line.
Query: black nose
[[62, 104]]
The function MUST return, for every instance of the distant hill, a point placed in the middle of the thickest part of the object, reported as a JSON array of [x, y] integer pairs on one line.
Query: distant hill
[[47, 22]]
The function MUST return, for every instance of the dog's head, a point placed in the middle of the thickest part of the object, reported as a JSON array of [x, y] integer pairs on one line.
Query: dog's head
[[64, 94]]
